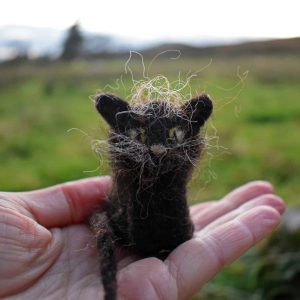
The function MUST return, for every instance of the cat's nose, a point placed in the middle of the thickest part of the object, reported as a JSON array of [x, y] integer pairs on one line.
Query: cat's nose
[[158, 149]]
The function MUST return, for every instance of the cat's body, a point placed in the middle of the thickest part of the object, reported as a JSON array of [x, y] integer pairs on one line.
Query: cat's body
[[153, 148]]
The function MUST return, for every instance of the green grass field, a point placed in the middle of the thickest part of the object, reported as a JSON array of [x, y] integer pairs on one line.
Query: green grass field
[[253, 133]]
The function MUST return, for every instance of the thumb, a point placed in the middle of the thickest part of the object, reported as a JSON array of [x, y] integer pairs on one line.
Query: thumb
[[66, 203]]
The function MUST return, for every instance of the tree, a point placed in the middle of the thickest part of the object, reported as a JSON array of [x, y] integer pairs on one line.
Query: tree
[[73, 43]]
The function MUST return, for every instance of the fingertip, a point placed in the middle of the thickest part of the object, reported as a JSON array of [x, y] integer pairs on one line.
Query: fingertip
[[102, 186], [260, 221], [249, 191], [275, 202], [91, 187], [106, 179], [269, 214], [257, 188], [105, 182], [262, 184]]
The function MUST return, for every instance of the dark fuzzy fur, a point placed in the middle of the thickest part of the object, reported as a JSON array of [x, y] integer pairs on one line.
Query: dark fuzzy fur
[[147, 210]]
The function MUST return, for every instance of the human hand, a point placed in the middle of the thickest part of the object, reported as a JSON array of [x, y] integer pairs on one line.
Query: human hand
[[47, 252]]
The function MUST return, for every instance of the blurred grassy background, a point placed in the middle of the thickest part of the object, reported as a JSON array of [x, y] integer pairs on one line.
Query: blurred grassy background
[[254, 130], [256, 121]]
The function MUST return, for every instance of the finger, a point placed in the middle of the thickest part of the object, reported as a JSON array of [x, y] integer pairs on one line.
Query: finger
[[66, 203], [230, 202], [249, 191], [195, 209], [195, 262], [267, 200]]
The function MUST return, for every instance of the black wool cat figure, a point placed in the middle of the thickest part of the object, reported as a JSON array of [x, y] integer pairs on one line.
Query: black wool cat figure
[[153, 147]]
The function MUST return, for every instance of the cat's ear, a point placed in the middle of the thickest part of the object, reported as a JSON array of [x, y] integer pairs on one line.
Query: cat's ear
[[198, 110], [110, 106]]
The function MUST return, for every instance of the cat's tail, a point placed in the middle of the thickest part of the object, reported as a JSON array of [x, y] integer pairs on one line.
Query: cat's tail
[[105, 246]]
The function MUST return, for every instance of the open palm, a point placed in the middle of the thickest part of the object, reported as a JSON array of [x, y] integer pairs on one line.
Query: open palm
[[47, 252]]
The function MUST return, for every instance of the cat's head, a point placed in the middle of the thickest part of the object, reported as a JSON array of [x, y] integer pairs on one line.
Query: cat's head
[[155, 131]]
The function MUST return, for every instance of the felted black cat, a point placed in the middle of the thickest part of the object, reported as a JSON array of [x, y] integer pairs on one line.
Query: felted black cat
[[153, 147]]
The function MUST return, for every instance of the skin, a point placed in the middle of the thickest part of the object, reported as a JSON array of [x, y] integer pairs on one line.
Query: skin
[[47, 251]]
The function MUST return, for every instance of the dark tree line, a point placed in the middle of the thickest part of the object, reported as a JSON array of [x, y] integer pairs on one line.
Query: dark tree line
[[73, 43]]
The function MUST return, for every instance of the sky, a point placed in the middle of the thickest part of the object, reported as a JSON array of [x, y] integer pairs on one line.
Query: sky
[[161, 20]]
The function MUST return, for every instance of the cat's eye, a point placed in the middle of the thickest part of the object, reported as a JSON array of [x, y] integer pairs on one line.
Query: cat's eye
[[142, 135], [176, 133], [132, 133], [137, 134]]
